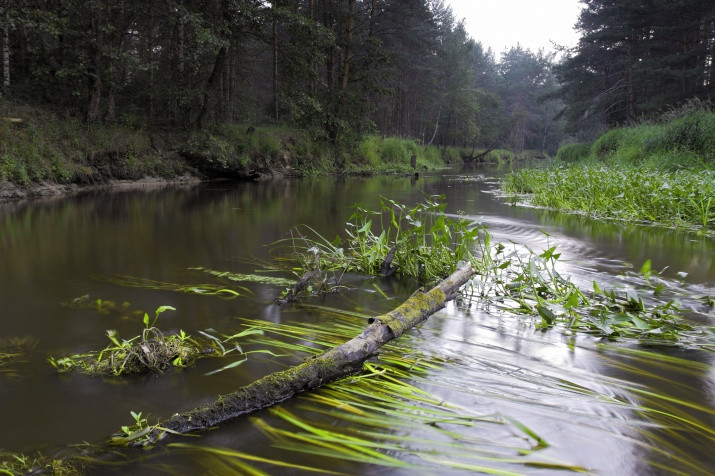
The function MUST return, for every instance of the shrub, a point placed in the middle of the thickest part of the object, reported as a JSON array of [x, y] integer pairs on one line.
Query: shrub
[[694, 132], [393, 151], [368, 150], [573, 152], [607, 144], [450, 155]]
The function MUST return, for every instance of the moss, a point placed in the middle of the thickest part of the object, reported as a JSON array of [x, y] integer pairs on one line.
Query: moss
[[412, 311]]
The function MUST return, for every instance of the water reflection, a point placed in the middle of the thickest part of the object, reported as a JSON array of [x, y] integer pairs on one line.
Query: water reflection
[[566, 388]]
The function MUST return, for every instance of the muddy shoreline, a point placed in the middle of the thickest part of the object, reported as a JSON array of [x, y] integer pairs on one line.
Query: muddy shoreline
[[11, 192]]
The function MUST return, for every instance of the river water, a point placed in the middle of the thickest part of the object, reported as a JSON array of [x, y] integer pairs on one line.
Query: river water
[[604, 407]]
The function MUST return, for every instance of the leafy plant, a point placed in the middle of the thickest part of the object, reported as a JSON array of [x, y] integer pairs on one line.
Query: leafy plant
[[425, 243], [152, 351]]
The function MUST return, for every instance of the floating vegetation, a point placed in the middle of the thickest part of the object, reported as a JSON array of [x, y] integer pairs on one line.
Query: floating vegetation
[[419, 242], [522, 284], [201, 289], [152, 351], [368, 419], [531, 285], [386, 417], [251, 278], [102, 306], [229, 461], [18, 463], [12, 351]]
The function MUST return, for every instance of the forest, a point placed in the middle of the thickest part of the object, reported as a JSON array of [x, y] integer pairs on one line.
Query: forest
[[339, 70]]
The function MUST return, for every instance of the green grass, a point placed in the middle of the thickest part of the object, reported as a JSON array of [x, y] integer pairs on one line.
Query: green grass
[[45, 147], [657, 173]]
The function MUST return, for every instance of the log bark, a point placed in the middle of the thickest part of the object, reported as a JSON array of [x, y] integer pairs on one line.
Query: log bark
[[341, 361]]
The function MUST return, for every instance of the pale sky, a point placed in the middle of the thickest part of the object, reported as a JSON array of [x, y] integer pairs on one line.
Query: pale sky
[[500, 24]]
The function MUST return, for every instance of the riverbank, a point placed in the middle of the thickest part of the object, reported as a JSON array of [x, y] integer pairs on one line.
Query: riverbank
[[653, 173], [43, 153]]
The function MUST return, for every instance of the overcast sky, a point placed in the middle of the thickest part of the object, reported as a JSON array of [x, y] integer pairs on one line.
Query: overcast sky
[[500, 24]]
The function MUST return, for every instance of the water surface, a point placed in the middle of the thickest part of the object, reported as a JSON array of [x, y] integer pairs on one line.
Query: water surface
[[578, 394]]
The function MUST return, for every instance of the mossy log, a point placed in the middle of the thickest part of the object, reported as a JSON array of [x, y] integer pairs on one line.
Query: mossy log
[[341, 361]]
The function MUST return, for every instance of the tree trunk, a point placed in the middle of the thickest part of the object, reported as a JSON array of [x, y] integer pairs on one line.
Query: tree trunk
[[371, 30], [6, 55], [347, 50], [95, 73], [341, 361], [150, 58], [275, 61], [210, 85]]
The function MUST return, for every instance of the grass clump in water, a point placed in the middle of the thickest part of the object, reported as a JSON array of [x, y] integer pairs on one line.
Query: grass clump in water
[[12, 351], [18, 463], [151, 351], [420, 242], [429, 246]]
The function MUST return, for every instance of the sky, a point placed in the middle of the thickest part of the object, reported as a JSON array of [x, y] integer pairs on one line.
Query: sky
[[533, 24]]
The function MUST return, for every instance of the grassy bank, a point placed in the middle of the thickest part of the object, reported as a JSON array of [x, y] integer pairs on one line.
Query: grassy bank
[[236, 149], [38, 146], [662, 173]]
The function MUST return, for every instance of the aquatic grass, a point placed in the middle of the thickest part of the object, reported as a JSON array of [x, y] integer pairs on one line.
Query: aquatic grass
[[12, 352], [525, 284], [380, 405], [154, 351], [682, 198], [529, 284], [660, 173], [230, 457], [200, 289], [252, 278]]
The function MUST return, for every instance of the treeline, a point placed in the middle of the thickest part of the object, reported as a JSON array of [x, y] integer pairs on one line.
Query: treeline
[[636, 59], [338, 68]]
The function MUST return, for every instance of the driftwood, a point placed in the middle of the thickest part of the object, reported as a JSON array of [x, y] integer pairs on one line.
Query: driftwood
[[299, 286], [341, 361]]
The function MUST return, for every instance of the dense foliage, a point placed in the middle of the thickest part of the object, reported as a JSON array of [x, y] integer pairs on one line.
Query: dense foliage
[[337, 68], [637, 57]]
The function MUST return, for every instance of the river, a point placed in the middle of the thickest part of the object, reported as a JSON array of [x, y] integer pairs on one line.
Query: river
[[601, 406]]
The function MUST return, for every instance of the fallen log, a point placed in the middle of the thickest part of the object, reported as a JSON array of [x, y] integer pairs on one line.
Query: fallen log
[[341, 361]]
